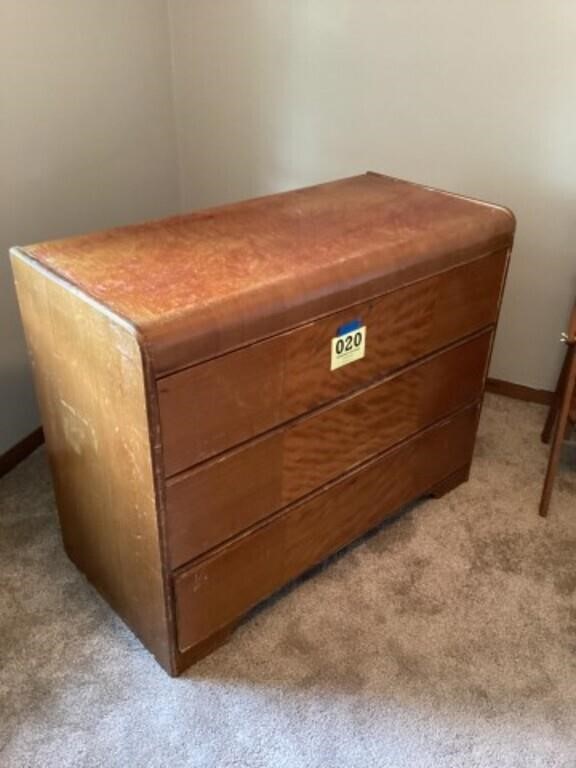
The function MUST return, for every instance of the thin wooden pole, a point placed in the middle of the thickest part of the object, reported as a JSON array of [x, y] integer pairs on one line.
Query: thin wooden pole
[[559, 414]]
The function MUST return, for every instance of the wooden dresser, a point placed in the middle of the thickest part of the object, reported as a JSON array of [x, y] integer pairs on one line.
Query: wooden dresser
[[230, 396]]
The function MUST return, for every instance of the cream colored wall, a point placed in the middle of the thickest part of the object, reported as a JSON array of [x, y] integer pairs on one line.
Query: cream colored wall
[[86, 141], [475, 97]]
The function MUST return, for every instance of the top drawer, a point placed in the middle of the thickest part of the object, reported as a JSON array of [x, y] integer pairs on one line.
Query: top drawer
[[212, 406]]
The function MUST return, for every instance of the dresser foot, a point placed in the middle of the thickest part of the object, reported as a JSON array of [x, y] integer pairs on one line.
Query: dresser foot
[[449, 483], [190, 656]]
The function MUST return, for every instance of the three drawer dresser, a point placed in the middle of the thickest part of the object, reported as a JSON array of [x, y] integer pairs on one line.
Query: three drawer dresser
[[230, 396]]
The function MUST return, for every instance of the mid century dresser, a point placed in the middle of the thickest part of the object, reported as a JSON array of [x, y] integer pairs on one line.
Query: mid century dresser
[[230, 396]]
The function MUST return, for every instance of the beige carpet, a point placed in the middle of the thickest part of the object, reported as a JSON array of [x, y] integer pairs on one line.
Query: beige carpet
[[446, 639]]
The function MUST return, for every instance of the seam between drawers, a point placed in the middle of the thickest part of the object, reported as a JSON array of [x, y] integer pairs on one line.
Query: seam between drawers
[[176, 477], [500, 248], [356, 469]]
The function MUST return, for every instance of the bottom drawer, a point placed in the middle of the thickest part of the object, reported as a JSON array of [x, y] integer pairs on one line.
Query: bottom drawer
[[221, 587]]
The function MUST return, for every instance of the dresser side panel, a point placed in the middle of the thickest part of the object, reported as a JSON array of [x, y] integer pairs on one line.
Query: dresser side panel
[[91, 388]]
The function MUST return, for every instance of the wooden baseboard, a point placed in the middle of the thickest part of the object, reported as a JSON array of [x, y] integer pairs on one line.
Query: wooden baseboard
[[20, 451], [519, 391]]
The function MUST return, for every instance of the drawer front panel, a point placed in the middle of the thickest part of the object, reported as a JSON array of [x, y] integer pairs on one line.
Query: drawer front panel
[[216, 591], [211, 407], [221, 498]]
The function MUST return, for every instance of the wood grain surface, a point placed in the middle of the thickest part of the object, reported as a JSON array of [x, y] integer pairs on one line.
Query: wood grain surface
[[203, 451], [216, 405], [90, 386], [201, 284], [223, 497], [215, 591]]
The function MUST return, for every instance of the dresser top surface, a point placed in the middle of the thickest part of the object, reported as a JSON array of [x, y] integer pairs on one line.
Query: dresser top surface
[[267, 263]]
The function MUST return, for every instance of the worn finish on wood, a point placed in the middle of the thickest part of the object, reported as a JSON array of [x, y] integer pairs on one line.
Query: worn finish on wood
[[237, 577], [203, 451], [210, 407], [224, 497], [90, 385], [250, 270]]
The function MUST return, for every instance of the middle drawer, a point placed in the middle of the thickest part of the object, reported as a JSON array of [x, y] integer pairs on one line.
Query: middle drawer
[[222, 497]]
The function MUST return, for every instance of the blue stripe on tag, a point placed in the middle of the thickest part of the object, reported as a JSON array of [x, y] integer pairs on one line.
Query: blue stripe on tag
[[353, 325]]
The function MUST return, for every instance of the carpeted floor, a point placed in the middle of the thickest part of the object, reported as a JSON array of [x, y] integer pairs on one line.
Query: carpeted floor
[[446, 639]]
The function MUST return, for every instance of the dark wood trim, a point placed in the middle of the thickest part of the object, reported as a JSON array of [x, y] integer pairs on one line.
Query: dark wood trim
[[519, 391], [20, 451]]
